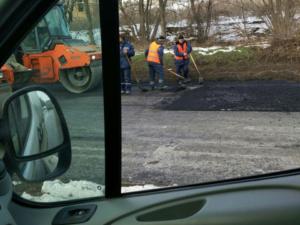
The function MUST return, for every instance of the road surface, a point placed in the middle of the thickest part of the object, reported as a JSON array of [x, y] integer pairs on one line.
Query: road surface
[[220, 131], [174, 138], [85, 119]]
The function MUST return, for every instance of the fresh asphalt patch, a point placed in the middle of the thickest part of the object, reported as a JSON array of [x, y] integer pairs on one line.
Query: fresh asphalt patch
[[268, 96]]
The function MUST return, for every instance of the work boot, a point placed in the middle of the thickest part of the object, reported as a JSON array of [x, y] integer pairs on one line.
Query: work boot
[[201, 80], [181, 83], [128, 89], [187, 80], [161, 85], [152, 85]]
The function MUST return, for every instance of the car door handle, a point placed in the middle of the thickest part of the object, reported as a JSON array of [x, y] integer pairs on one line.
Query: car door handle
[[74, 215], [173, 212]]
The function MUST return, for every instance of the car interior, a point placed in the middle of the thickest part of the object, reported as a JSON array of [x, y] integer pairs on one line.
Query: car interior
[[271, 199]]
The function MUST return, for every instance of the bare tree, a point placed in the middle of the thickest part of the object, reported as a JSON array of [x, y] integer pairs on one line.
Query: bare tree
[[241, 6], [156, 26], [202, 16], [144, 17], [68, 9], [279, 16], [90, 21], [148, 17], [129, 20], [209, 15], [160, 19], [162, 9]]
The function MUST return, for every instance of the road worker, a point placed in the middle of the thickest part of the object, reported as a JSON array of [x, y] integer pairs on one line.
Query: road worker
[[182, 49], [154, 56], [126, 53]]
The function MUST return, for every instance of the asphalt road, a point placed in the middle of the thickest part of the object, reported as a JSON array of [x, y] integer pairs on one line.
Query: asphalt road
[[219, 131], [85, 119], [180, 145]]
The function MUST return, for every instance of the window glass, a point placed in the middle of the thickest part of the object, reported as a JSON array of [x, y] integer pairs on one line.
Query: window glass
[[57, 22], [73, 74], [43, 34], [30, 42], [216, 94]]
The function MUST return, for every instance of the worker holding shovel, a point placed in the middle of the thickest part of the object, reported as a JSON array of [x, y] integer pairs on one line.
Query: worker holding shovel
[[182, 50], [154, 56], [126, 52]]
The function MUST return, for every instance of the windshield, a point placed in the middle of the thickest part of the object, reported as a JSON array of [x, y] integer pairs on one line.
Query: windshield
[[37, 39], [56, 22], [30, 42]]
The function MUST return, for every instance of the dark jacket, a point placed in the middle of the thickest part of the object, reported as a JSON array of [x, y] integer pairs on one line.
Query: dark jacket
[[124, 64], [160, 54], [177, 53]]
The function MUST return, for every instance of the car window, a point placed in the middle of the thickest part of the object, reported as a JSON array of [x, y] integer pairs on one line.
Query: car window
[[56, 25], [43, 34], [30, 43], [72, 72], [211, 93]]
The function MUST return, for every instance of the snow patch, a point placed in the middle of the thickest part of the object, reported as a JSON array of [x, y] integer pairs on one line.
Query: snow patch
[[59, 191], [139, 188], [182, 23], [53, 191], [263, 45], [215, 49], [83, 35]]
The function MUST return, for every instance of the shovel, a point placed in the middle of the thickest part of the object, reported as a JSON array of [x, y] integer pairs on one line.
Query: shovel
[[137, 80], [182, 86], [200, 78], [175, 74]]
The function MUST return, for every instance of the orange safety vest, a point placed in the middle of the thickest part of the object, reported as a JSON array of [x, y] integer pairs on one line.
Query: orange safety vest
[[182, 49], [153, 53]]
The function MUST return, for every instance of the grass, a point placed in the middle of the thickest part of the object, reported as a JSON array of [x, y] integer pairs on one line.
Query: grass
[[243, 64], [205, 63], [228, 59]]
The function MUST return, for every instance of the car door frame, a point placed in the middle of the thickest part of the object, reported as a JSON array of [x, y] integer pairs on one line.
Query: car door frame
[[31, 12], [109, 21]]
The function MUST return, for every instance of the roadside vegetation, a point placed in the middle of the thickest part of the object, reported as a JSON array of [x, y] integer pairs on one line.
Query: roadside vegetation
[[264, 35], [243, 63], [259, 39]]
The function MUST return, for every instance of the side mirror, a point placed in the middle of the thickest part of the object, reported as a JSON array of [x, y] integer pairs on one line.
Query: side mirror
[[35, 135]]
